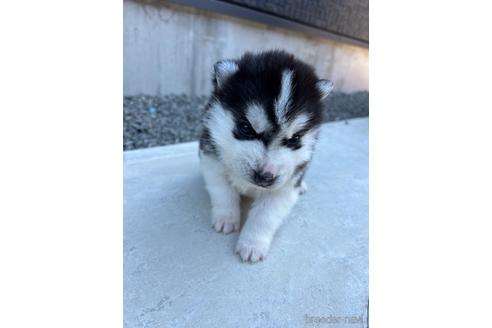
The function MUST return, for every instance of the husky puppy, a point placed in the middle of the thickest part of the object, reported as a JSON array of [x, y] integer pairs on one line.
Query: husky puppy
[[260, 128]]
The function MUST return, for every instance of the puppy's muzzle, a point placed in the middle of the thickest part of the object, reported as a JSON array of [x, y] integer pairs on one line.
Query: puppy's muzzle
[[264, 179]]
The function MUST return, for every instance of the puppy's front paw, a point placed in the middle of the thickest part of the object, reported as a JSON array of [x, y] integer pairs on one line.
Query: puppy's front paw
[[252, 249], [225, 224]]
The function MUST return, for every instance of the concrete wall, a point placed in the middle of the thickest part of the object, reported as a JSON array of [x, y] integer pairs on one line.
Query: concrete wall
[[172, 49]]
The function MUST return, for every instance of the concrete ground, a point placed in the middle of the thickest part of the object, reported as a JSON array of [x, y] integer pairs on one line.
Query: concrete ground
[[178, 272]]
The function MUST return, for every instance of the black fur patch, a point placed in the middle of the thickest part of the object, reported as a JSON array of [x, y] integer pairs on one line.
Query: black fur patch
[[207, 144], [291, 145], [299, 180], [299, 171], [301, 168]]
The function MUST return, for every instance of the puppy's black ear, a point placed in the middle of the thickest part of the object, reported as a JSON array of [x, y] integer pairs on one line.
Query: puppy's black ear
[[325, 87], [224, 69]]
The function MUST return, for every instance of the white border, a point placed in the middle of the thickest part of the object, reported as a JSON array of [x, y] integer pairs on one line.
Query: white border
[[61, 164], [430, 164]]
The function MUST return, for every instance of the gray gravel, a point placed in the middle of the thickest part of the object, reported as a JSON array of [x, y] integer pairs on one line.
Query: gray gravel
[[150, 121]]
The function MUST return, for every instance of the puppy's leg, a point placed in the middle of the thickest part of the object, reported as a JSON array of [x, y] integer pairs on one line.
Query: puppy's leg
[[265, 217], [225, 200]]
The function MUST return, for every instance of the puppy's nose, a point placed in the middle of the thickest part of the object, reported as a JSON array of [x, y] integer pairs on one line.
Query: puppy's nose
[[264, 179]]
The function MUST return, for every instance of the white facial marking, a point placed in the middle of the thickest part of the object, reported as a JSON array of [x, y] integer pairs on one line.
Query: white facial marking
[[220, 124], [257, 116], [283, 100], [240, 157], [296, 125], [282, 160]]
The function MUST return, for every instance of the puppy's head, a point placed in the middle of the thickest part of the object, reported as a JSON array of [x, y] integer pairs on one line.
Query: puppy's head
[[264, 116]]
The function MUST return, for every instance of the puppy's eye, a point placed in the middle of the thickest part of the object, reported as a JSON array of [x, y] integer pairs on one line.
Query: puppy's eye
[[294, 142], [245, 129]]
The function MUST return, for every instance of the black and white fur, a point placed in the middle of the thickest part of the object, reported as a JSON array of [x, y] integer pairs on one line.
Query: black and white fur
[[260, 128]]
